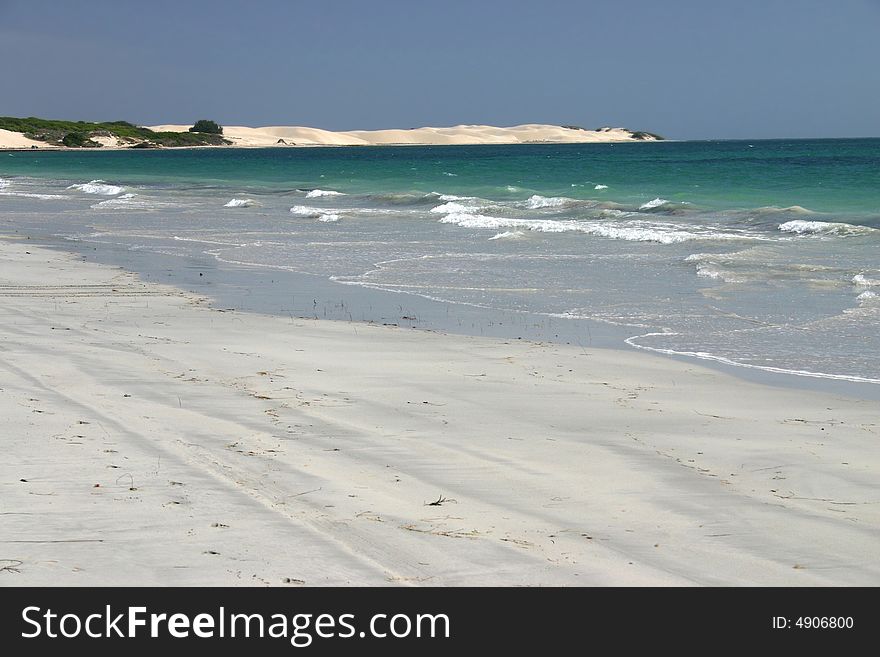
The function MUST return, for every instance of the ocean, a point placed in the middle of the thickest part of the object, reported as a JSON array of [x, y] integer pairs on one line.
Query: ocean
[[761, 255]]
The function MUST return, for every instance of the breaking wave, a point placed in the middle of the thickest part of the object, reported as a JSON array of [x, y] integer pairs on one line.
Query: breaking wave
[[508, 235], [537, 202], [633, 231], [455, 205], [321, 214], [656, 203], [98, 187], [317, 193], [240, 203], [864, 281], [44, 197], [306, 211], [802, 227]]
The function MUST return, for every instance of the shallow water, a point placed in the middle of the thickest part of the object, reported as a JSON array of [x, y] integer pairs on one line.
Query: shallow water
[[759, 255]]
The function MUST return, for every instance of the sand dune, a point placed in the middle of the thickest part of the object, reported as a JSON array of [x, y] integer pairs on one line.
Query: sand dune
[[303, 136], [457, 135], [10, 139]]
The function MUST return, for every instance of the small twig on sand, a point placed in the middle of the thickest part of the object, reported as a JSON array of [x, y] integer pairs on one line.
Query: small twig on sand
[[12, 566], [306, 492], [440, 501]]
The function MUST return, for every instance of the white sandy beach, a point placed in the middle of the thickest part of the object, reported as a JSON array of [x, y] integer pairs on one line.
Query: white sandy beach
[[149, 439]]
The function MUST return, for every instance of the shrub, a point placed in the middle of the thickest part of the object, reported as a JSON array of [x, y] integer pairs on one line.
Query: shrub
[[79, 140], [210, 127], [642, 135]]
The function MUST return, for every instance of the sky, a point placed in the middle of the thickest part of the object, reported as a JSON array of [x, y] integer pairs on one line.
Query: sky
[[687, 69]]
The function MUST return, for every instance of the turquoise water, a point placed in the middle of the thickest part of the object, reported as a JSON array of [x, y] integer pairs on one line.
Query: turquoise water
[[823, 175], [753, 254]]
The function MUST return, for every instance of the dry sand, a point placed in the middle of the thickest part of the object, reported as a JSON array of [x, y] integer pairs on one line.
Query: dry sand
[[149, 439], [10, 139]]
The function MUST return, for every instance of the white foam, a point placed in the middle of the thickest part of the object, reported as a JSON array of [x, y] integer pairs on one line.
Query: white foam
[[4, 184], [698, 257], [704, 355], [707, 272], [511, 188], [306, 211], [98, 187], [802, 227], [508, 235], [454, 206], [537, 202], [601, 187], [861, 279], [317, 193], [633, 231], [329, 217], [45, 197], [131, 202], [868, 295], [656, 203], [240, 203], [452, 197]]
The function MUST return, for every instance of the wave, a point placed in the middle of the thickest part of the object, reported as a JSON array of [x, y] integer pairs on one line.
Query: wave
[[118, 202], [705, 355], [537, 202], [317, 193], [45, 197], [306, 211], [508, 235], [131, 202], [656, 203], [707, 272], [240, 203], [451, 207], [600, 187], [791, 209], [98, 187], [632, 231], [404, 198], [803, 227], [868, 295], [321, 214], [864, 281]]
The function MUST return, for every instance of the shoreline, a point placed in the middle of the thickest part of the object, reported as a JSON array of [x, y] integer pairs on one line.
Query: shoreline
[[237, 285], [157, 440]]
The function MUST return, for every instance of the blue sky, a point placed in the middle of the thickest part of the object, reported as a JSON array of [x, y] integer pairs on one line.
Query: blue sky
[[683, 68]]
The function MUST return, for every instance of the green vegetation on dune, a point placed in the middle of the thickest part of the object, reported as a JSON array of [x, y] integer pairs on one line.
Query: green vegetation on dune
[[640, 135], [204, 125], [78, 134], [645, 136]]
